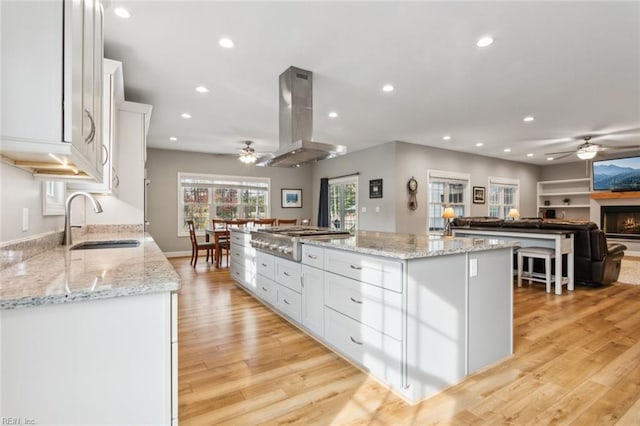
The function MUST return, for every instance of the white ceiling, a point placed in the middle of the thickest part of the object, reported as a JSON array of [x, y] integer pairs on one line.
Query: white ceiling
[[575, 66]]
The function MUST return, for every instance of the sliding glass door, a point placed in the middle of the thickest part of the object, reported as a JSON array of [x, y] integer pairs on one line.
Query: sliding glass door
[[343, 203]]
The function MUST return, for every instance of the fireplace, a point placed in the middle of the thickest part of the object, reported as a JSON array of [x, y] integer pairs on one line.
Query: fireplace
[[620, 221]]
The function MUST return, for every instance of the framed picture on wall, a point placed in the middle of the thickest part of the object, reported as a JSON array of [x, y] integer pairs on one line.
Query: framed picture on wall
[[375, 188], [291, 198], [478, 194]]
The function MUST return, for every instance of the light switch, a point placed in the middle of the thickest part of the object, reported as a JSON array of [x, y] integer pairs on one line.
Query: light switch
[[363, 209], [377, 209], [25, 219], [473, 267]]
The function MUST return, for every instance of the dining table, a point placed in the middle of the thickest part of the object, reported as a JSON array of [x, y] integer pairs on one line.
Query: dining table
[[220, 236]]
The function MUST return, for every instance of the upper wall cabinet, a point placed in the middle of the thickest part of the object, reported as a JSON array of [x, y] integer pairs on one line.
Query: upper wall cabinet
[[52, 87], [112, 99]]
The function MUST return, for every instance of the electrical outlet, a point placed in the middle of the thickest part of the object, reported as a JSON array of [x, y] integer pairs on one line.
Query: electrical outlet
[[25, 219], [377, 209], [363, 209], [473, 267]]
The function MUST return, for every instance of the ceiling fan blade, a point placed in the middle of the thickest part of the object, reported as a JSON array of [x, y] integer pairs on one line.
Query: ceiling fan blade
[[562, 156], [619, 148], [561, 152]]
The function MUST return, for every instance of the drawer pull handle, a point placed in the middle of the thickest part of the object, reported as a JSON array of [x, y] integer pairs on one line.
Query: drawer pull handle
[[264, 264], [236, 254], [312, 256], [264, 289], [286, 301], [355, 341], [357, 268], [359, 302], [286, 274]]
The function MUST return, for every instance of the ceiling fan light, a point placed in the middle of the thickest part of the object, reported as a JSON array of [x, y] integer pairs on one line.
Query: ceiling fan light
[[586, 154]]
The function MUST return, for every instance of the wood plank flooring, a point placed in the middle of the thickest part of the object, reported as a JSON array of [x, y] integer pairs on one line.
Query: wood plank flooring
[[577, 361]]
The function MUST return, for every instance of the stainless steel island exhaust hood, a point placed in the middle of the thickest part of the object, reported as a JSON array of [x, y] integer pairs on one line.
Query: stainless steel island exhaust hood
[[296, 124]]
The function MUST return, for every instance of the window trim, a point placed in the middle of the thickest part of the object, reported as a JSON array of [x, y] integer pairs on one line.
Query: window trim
[[504, 181], [444, 175], [212, 177]]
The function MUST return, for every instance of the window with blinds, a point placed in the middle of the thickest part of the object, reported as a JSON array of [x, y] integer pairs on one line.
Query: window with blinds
[[446, 189], [205, 197], [504, 195]]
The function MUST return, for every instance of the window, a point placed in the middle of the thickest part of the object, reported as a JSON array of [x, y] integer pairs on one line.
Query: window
[[446, 189], [504, 194], [205, 197], [343, 203]]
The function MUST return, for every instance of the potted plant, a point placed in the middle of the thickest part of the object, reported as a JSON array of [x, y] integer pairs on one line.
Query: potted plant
[[566, 201]]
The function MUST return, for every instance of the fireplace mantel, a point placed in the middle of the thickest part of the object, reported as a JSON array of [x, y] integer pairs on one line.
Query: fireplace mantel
[[608, 195]]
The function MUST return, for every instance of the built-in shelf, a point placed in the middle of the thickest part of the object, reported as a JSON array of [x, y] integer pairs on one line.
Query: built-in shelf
[[607, 195], [553, 193]]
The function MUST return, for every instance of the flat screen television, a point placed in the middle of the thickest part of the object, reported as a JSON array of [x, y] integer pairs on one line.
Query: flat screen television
[[620, 174]]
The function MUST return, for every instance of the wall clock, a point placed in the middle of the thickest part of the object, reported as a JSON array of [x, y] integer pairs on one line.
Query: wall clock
[[412, 187]]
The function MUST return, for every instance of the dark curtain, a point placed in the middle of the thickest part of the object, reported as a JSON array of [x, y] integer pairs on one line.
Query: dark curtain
[[323, 210]]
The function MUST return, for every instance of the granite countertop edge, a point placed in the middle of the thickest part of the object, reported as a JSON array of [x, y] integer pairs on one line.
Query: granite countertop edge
[[396, 246], [51, 278]]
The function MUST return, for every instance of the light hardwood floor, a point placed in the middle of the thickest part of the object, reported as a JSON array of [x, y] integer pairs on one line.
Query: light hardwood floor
[[577, 361]]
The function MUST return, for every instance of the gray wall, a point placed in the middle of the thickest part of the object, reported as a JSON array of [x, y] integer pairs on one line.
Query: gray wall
[[415, 160], [396, 162], [575, 170], [20, 189], [162, 170], [372, 163]]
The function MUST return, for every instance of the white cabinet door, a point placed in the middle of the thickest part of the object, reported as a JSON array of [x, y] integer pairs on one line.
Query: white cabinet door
[[313, 300], [43, 68]]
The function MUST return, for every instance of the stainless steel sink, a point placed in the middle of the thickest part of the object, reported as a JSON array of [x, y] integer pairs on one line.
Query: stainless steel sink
[[87, 245]]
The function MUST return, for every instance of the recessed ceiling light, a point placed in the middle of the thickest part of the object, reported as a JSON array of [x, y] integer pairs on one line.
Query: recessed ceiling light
[[479, 144], [507, 150], [484, 41], [530, 154], [122, 12], [225, 42], [388, 88], [446, 138], [173, 138], [528, 118], [202, 89], [549, 158], [333, 114], [185, 115]]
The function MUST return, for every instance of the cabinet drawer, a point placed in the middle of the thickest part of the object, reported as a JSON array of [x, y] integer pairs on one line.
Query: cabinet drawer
[[374, 306], [288, 274], [289, 303], [244, 275], [373, 270], [313, 256], [240, 238], [376, 352], [265, 265], [242, 254], [266, 290]]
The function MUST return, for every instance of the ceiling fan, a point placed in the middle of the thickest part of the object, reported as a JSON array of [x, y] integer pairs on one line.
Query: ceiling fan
[[248, 155], [587, 150]]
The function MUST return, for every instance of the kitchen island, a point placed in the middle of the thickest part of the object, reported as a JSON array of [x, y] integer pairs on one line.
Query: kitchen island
[[418, 312], [90, 336]]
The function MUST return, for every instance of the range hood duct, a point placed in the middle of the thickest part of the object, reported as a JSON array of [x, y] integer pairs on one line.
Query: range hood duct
[[296, 124]]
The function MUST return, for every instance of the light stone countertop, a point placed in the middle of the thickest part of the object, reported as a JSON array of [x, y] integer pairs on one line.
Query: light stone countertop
[[61, 275], [409, 246]]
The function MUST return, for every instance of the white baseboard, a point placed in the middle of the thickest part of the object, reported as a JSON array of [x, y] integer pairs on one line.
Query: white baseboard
[[177, 253]]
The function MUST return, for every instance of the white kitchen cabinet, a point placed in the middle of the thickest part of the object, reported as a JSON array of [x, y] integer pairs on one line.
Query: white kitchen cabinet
[[243, 260], [113, 97], [107, 361], [312, 280], [266, 289], [378, 271], [52, 87]]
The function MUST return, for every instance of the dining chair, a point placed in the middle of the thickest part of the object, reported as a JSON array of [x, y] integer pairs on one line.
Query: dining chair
[[264, 222], [224, 241], [287, 222], [196, 246]]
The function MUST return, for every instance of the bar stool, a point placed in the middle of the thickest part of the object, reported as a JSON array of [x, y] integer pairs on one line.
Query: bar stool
[[536, 253]]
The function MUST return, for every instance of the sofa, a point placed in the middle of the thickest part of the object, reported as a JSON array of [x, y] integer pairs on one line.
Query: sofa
[[596, 262]]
